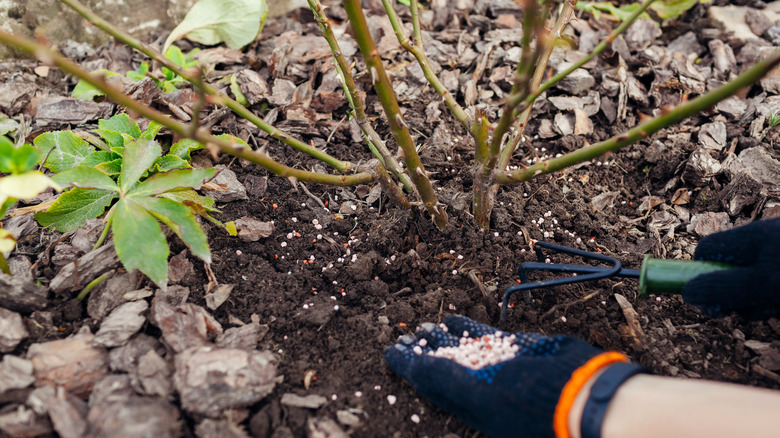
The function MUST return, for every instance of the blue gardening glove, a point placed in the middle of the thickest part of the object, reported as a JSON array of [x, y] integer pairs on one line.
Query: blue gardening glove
[[753, 288], [512, 398]]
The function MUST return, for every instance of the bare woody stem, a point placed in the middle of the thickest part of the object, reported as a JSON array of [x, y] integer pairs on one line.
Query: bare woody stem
[[520, 122], [529, 101], [219, 98], [633, 135], [398, 127], [596, 51], [418, 51], [48, 56], [484, 187], [354, 97]]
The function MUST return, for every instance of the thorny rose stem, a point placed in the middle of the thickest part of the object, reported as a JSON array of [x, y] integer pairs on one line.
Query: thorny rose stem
[[398, 127], [633, 135], [217, 97], [356, 102], [48, 56], [500, 175]]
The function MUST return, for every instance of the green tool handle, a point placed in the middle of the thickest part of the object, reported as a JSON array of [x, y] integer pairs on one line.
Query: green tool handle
[[661, 276]]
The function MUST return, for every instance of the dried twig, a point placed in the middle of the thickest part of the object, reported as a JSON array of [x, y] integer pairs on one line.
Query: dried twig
[[565, 306]]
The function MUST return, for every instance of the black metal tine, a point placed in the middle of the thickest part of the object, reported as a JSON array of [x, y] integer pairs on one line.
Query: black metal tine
[[526, 287], [576, 269]]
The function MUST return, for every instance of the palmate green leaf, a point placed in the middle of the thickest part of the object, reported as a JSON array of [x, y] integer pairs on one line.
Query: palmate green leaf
[[111, 168], [121, 123], [183, 148], [139, 241], [138, 156], [73, 208], [24, 186], [86, 178], [191, 198], [64, 148], [178, 178], [114, 139], [234, 22], [152, 130], [99, 157], [170, 162], [179, 219]]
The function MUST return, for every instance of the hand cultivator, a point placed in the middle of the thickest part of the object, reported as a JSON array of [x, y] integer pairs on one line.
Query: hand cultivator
[[655, 276]]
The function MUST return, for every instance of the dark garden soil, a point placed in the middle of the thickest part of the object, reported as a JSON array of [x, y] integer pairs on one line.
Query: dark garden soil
[[345, 272]]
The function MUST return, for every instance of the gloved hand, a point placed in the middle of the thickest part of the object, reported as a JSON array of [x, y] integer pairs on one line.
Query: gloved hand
[[520, 395], [753, 288]]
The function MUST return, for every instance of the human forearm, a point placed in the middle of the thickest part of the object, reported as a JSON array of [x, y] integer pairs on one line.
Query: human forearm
[[654, 406]]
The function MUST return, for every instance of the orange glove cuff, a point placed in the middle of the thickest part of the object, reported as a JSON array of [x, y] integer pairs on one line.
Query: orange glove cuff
[[579, 378]]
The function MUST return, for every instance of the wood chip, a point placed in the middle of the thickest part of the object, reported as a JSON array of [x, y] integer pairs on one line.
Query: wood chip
[[252, 230], [12, 330], [21, 295], [324, 428], [122, 323], [212, 380], [72, 363], [244, 337], [218, 296], [311, 401], [75, 276], [15, 373], [634, 332]]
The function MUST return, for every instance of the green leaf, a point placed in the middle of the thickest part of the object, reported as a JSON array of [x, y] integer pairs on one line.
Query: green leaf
[[5, 206], [139, 241], [168, 87], [25, 186], [24, 159], [73, 208], [110, 168], [6, 154], [230, 227], [232, 139], [121, 123], [621, 13], [8, 125], [179, 178], [197, 203], [170, 162], [236, 90], [138, 156], [234, 22], [179, 219], [99, 157], [183, 148], [667, 9], [175, 54], [152, 130], [85, 90], [64, 148], [139, 73], [86, 178]]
